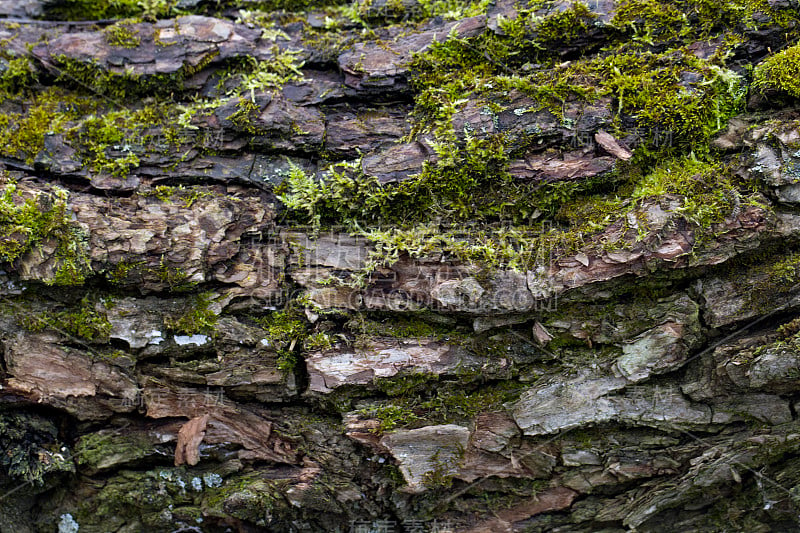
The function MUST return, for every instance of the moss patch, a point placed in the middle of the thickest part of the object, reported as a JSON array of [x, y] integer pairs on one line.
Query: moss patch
[[198, 317], [779, 72], [446, 403], [29, 218], [83, 321]]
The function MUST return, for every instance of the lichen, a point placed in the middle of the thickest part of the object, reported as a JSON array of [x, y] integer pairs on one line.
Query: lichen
[[30, 449]]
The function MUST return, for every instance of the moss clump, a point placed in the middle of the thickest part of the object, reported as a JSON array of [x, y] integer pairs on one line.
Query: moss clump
[[16, 74], [404, 385], [246, 113], [672, 91], [167, 194], [282, 68], [105, 9], [174, 277], [651, 22], [100, 134], [565, 26], [448, 402], [786, 272], [709, 193], [290, 334], [779, 72], [22, 134], [390, 417], [285, 328], [250, 497], [84, 321], [122, 35], [30, 218], [465, 183], [198, 318], [145, 499], [91, 78]]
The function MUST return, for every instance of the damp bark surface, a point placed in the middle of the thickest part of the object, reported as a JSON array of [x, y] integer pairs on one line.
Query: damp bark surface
[[487, 266]]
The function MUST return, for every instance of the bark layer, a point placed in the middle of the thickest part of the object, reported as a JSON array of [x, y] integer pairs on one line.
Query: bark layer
[[507, 266]]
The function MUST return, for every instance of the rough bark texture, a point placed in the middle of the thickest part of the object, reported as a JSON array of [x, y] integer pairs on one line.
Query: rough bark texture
[[482, 266]]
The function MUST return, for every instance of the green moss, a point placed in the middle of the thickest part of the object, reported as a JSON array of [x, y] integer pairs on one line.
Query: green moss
[[649, 87], [465, 183], [86, 322], [108, 448], [250, 497], [285, 328], [145, 499], [127, 273], [121, 272], [22, 134], [294, 5], [174, 277], [653, 21], [167, 194], [246, 113], [410, 325], [83, 321], [285, 331], [440, 476], [396, 10], [17, 73], [650, 20], [283, 67], [290, 334], [448, 402], [28, 219], [318, 341], [559, 28], [390, 416], [198, 318], [779, 72], [404, 385], [122, 35], [671, 94], [90, 77], [107, 140], [107, 9]]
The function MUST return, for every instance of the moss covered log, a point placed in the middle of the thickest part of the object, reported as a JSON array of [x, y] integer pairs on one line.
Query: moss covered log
[[408, 264]]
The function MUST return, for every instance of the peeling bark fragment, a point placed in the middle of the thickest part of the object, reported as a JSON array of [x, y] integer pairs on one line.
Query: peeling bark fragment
[[427, 455], [191, 434], [554, 499], [334, 368], [41, 370], [166, 47], [383, 66], [228, 422]]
